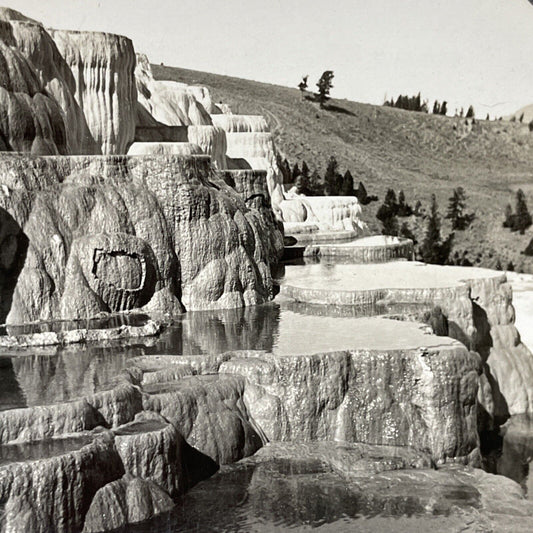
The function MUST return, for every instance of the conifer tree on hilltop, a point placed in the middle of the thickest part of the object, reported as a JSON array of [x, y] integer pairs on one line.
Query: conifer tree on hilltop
[[303, 84], [324, 84]]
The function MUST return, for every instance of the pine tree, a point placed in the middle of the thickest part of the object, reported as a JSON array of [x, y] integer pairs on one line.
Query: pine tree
[[284, 168], [433, 249], [346, 188], [404, 209], [444, 108], [387, 213], [418, 103], [303, 182], [324, 86], [436, 108], [303, 84], [456, 208], [330, 178], [305, 169], [390, 226], [523, 218], [361, 194], [406, 233], [470, 113]]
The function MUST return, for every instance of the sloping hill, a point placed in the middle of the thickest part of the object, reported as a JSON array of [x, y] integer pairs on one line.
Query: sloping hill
[[384, 147], [526, 110]]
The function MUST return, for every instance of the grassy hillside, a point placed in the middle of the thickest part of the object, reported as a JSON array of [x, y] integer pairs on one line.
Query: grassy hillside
[[385, 147]]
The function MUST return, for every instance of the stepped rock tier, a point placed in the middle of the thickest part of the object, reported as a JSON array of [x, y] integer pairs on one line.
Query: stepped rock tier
[[126, 201]]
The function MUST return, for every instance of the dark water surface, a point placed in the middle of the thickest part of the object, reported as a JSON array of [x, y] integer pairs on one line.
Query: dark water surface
[[286, 495], [510, 452]]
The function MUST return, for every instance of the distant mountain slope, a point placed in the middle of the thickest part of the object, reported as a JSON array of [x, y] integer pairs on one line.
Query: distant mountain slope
[[384, 147], [528, 114]]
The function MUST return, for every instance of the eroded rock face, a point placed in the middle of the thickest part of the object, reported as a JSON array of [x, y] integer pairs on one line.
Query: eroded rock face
[[109, 408], [86, 235], [50, 67], [209, 412], [65, 92], [102, 65], [125, 501], [32, 119], [401, 398], [477, 304], [53, 493], [252, 186]]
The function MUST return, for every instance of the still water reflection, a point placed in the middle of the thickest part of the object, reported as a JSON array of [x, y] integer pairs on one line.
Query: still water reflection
[[39, 376]]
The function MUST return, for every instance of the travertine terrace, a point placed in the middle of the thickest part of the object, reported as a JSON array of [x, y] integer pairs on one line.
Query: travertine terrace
[[149, 341]]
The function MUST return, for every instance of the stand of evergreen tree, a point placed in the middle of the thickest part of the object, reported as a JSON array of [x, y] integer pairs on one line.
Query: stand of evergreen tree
[[387, 214], [440, 109], [409, 103], [333, 184], [390, 210]]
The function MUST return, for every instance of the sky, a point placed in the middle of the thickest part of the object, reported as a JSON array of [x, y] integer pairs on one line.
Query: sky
[[464, 51]]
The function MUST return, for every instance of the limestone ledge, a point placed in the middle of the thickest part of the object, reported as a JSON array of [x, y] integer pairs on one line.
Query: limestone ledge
[[372, 396], [363, 253], [327, 213], [476, 302], [51, 338]]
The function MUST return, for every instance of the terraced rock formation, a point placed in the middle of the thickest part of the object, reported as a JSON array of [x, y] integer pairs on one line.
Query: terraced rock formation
[[115, 432], [85, 235]]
